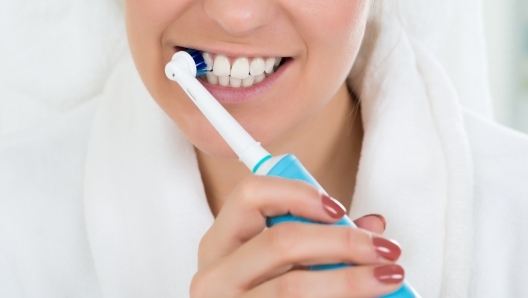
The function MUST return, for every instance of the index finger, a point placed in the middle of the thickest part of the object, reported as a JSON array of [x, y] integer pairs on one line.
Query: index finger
[[244, 213]]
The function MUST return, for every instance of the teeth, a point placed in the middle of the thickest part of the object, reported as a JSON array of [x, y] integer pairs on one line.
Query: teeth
[[270, 63], [260, 78], [247, 82], [243, 72], [211, 78], [234, 82], [221, 66], [223, 81], [208, 60], [257, 66], [240, 68]]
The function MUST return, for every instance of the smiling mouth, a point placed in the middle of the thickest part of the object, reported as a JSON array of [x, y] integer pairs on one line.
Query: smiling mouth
[[238, 72]]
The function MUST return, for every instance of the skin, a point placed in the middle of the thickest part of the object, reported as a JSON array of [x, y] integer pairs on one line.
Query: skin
[[308, 112]]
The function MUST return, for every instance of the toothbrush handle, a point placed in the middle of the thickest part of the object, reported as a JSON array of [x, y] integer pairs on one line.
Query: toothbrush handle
[[290, 167]]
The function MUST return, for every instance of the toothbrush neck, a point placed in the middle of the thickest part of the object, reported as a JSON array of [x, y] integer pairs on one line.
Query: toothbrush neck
[[339, 133]]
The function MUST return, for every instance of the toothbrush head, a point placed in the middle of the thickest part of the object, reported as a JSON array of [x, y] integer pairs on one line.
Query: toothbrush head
[[186, 63], [201, 66]]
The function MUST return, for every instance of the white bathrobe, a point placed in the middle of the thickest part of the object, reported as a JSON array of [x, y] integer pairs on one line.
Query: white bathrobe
[[106, 199]]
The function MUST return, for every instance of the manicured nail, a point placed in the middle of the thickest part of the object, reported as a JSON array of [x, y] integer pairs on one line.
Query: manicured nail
[[332, 207], [389, 274], [380, 218], [389, 250]]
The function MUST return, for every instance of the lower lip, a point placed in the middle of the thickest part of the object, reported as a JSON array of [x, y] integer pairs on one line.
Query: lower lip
[[231, 95]]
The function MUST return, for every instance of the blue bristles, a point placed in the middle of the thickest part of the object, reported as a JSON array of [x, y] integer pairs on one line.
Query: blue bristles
[[201, 66]]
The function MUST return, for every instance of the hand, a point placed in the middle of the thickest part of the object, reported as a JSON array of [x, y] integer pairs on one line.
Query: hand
[[239, 257]]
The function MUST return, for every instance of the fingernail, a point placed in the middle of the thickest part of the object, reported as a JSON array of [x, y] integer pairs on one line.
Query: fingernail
[[389, 250], [389, 274], [332, 207], [380, 218]]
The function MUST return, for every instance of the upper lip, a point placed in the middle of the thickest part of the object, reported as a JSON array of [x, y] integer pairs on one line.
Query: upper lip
[[232, 52]]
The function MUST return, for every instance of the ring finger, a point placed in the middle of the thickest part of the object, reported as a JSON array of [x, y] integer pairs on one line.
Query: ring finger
[[288, 244], [361, 281]]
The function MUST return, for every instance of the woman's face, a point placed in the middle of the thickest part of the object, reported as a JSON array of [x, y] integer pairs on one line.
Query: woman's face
[[317, 40]]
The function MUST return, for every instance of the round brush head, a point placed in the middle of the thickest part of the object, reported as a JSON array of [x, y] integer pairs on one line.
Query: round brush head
[[201, 66]]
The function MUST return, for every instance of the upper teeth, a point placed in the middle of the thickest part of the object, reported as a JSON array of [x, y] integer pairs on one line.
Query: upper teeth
[[221, 66], [270, 63], [240, 68], [244, 71], [257, 66]]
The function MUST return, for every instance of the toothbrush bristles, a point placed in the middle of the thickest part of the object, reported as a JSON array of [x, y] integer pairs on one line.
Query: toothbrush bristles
[[201, 66]]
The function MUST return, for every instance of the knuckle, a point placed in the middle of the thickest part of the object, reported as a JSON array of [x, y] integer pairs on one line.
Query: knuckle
[[350, 239], [198, 287], [356, 241], [358, 245], [203, 247], [204, 241], [282, 238], [207, 241], [290, 285], [207, 283], [248, 190], [314, 191], [307, 189], [350, 281]]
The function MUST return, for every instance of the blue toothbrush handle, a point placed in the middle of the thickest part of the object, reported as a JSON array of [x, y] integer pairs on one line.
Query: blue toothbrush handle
[[290, 167]]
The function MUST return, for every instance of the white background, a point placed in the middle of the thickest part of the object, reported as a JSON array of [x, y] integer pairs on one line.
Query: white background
[[506, 31]]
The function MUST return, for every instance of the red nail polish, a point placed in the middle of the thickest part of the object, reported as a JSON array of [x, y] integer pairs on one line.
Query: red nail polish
[[332, 207], [389, 250], [389, 274]]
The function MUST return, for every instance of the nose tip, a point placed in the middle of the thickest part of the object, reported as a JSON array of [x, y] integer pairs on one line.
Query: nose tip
[[239, 17]]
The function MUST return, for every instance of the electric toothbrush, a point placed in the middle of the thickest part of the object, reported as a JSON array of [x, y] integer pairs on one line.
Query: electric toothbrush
[[183, 69]]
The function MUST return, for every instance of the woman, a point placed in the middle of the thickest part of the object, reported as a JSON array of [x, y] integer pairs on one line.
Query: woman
[[167, 210]]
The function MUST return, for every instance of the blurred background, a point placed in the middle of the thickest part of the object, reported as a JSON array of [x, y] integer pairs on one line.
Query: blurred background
[[506, 32]]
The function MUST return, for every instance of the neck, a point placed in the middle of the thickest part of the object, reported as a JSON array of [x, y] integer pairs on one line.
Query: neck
[[332, 159]]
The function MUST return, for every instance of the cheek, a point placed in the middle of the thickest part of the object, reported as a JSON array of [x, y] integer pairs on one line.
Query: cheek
[[333, 31], [147, 21], [145, 24], [329, 19]]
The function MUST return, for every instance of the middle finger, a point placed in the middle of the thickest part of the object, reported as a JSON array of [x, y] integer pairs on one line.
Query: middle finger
[[289, 244]]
